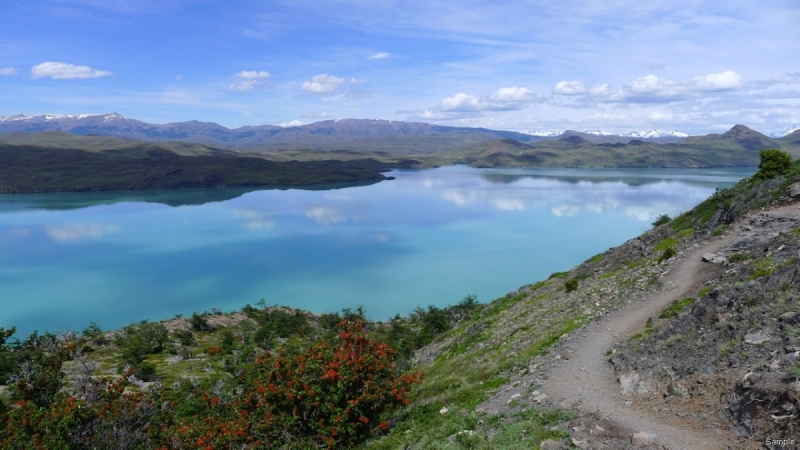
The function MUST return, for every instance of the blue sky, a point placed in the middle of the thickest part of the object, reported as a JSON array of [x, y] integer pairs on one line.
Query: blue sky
[[619, 65]]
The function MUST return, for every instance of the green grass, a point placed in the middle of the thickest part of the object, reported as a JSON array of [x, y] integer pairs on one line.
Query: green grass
[[675, 308], [665, 244]]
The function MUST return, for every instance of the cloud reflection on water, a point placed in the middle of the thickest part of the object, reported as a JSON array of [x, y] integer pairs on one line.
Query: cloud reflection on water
[[79, 232], [567, 197]]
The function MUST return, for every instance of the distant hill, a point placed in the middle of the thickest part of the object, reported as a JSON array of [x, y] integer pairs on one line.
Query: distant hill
[[350, 134], [63, 162], [737, 147]]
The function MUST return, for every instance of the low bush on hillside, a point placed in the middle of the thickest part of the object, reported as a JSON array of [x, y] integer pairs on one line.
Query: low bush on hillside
[[331, 394]]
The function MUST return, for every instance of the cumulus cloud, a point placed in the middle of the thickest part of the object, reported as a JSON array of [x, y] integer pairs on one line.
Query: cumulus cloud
[[650, 89], [316, 115], [293, 123], [8, 71], [244, 85], [64, 71], [381, 55], [512, 98], [569, 88], [250, 80], [253, 74], [322, 84]]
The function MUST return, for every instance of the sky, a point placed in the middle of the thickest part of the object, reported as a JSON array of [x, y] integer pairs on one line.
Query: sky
[[618, 65]]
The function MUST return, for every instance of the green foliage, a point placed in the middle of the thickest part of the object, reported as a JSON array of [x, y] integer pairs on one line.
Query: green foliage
[[676, 307], [330, 395], [185, 337], [557, 275], [738, 257], [665, 244], [720, 230], [661, 220], [762, 268], [667, 254], [773, 163], [571, 285], [199, 322], [138, 341]]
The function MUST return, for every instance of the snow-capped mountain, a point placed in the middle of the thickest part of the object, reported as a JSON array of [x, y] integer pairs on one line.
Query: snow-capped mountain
[[652, 134], [649, 134], [786, 131], [553, 133], [49, 117]]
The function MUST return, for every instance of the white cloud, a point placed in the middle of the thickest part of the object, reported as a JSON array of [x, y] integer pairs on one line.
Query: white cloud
[[8, 71], [78, 232], [512, 98], [381, 55], [650, 89], [357, 81], [719, 81], [64, 71], [569, 88], [322, 84], [293, 123], [253, 74], [660, 115], [244, 85], [316, 115], [460, 102], [250, 80]]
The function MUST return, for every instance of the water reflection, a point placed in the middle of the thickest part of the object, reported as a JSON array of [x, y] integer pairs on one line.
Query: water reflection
[[170, 197], [428, 237]]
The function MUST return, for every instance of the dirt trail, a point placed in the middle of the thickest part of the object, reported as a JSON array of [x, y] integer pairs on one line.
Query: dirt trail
[[588, 378]]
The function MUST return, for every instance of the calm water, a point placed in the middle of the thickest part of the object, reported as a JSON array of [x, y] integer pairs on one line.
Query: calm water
[[428, 237]]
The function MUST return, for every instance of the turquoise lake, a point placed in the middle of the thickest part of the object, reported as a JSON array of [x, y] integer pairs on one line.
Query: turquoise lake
[[429, 237]]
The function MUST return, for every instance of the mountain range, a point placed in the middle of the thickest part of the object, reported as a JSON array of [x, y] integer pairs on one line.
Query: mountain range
[[401, 144]]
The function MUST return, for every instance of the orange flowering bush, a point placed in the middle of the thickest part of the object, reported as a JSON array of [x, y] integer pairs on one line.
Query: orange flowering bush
[[332, 394]]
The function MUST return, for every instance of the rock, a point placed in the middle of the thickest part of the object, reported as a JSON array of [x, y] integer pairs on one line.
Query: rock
[[756, 338], [642, 438], [675, 389], [793, 190], [790, 318], [444, 410], [453, 437], [549, 444], [583, 445], [713, 258], [628, 382], [540, 398]]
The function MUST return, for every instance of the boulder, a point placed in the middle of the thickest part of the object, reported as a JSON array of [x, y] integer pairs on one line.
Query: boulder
[[793, 190], [714, 258], [549, 444], [642, 438], [756, 338]]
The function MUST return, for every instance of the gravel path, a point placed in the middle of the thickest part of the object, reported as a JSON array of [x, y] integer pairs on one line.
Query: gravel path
[[588, 378]]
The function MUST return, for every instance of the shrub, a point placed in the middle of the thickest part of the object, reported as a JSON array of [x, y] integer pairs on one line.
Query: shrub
[[668, 253], [571, 285], [330, 396], [199, 322], [676, 307], [773, 163], [661, 220]]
